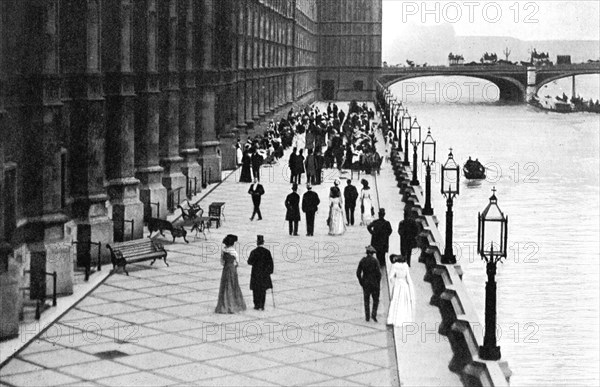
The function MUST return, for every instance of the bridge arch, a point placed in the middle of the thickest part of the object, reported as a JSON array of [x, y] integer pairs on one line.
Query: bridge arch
[[510, 88], [544, 80]]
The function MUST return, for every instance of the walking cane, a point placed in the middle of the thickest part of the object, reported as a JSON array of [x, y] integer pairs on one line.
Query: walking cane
[[273, 298]]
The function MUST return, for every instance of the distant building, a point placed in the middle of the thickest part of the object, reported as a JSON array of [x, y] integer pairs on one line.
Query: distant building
[[563, 59]]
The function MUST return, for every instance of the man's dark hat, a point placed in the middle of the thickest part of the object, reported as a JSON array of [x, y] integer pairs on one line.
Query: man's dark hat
[[260, 240]]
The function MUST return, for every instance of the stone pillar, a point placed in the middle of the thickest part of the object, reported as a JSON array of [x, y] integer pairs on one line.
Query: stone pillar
[[187, 113], [10, 296], [173, 179], [81, 34], [153, 194], [206, 136], [531, 83], [261, 92], [241, 106], [123, 187], [41, 216]]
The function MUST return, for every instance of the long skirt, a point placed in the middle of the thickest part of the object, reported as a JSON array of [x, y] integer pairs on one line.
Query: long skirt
[[231, 299]]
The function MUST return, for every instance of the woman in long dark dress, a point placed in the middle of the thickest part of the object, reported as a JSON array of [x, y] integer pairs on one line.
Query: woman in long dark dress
[[231, 299], [246, 176]]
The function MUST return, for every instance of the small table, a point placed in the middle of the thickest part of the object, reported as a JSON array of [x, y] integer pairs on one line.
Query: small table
[[216, 210]]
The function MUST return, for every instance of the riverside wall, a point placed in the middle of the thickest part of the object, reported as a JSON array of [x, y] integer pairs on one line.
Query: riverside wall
[[459, 317]]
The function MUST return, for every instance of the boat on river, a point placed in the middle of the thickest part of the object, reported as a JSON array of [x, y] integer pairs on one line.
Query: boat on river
[[473, 170]]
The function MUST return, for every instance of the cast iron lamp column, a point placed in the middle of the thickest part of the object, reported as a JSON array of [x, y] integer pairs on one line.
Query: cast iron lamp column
[[399, 116], [428, 158], [450, 176], [406, 124], [415, 139], [492, 235]]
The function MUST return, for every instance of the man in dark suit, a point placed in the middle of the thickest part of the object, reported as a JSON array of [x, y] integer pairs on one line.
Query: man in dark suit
[[369, 277], [350, 196], [257, 161], [408, 230], [380, 231], [319, 162], [292, 215], [256, 191], [262, 267], [310, 204], [292, 164]]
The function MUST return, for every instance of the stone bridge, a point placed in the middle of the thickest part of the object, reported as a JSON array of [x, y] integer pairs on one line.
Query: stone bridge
[[516, 83]]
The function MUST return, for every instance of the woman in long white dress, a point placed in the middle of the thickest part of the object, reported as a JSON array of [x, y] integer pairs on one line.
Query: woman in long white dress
[[402, 305], [366, 204], [336, 220]]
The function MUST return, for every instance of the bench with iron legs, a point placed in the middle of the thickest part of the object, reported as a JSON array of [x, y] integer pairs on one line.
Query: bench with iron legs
[[138, 250]]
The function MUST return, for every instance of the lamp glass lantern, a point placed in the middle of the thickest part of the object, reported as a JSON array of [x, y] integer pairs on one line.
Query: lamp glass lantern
[[428, 149], [415, 133], [450, 177], [492, 231], [406, 122]]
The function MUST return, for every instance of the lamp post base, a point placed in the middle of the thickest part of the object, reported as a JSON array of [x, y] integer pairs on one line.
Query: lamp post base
[[427, 211], [489, 353], [415, 182], [448, 259]]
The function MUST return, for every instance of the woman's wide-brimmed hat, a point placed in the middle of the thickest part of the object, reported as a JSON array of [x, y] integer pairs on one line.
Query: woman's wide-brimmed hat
[[230, 239]]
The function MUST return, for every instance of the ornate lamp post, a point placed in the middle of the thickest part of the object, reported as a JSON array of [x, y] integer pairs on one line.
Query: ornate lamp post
[[415, 139], [492, 235], [399, 115], [406, 124], [450, 189], [428, 158]]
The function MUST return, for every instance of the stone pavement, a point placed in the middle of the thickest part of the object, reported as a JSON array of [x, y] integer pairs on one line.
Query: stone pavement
[[158, 326]]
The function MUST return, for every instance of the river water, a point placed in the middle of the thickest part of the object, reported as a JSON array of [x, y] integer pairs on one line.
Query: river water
[[544, 166]]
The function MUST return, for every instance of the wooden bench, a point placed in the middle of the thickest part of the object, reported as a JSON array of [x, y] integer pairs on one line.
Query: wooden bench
[[138, 250]]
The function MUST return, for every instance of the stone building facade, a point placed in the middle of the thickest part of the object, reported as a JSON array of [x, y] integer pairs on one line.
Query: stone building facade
[[108, 108]]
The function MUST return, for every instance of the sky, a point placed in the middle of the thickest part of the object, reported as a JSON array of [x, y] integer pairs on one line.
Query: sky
[[525, 20]]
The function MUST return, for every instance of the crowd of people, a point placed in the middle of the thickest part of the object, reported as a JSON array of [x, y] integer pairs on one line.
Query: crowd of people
[[350, 143]]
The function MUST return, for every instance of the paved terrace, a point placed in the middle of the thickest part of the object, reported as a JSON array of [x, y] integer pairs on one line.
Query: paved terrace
[[158, 326]]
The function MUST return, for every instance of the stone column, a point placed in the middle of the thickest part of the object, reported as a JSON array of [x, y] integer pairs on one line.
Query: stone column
[[206, 136], [173, 179], [261, 91], [147, 167], [40, 214], [10, 295], [123, 187], [81, 23], [187, 113]]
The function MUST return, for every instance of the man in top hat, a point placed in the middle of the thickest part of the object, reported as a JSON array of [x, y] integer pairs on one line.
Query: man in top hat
[[380, 231], [350, 196], [262, 267], [408, 230], [369, 277], [256, 190], [310, 205], [292, 205]]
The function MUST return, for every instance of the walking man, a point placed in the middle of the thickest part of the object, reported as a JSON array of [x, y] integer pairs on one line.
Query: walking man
[[380, 231], [257, 161], [256, 191], [350, 196], [310, 204], [262, 267], [311, 168], [369, 277], [408, 230], [292, 205]]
